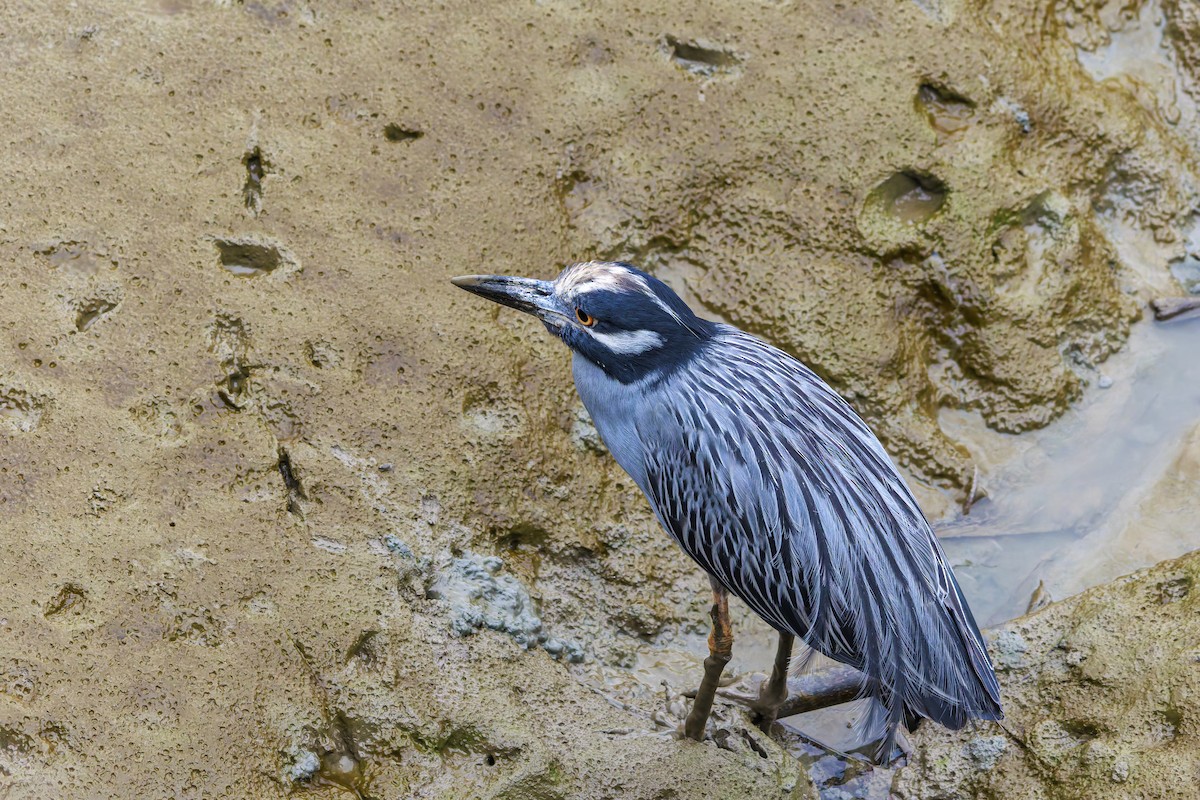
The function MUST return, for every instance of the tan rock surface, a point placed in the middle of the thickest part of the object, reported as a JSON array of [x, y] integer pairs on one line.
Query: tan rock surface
[[1102, 699], [248, 428]]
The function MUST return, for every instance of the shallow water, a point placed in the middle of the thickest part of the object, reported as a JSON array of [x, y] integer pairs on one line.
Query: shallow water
[[1066, 499]]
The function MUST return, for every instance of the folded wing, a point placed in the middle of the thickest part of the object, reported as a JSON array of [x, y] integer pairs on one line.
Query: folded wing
[[776, 487]]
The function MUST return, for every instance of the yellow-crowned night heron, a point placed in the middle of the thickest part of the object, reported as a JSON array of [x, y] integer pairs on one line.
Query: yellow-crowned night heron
[[775, 487]]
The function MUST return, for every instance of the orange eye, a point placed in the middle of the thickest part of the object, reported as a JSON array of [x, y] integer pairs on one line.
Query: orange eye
[[585, 319]]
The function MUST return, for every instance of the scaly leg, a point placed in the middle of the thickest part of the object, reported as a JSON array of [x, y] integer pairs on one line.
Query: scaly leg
[[720, 650], [774, 692]]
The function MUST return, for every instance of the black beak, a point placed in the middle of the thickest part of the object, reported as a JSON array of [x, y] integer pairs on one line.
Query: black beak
[[524, 294]]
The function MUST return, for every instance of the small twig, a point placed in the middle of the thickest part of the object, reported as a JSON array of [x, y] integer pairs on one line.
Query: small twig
[[823, 689], [1166, 308]]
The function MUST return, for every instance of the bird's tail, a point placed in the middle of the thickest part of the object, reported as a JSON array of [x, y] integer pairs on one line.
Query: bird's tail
[[881, 725]]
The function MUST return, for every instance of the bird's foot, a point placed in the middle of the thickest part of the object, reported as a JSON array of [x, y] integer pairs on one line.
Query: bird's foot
[[752, 692], [672, 717], [724, 727], [764, 704], [726, 730], [680, 720], [671, 714]]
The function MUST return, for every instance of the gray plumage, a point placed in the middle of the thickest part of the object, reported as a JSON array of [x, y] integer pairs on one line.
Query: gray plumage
[[774, 486]]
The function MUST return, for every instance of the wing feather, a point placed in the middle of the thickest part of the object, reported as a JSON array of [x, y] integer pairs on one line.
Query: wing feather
[[772, 483]]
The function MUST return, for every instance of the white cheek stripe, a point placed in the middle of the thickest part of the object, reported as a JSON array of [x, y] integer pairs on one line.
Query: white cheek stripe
[[629, 343]]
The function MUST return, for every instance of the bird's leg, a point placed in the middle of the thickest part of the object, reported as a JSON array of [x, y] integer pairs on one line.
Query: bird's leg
[[720, 650], [774, 692]]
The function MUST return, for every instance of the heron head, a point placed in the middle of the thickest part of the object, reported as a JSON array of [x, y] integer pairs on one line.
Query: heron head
[[626, 322]]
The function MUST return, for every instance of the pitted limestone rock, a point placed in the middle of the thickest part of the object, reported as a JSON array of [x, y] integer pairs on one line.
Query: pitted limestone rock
[[480, 596]]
